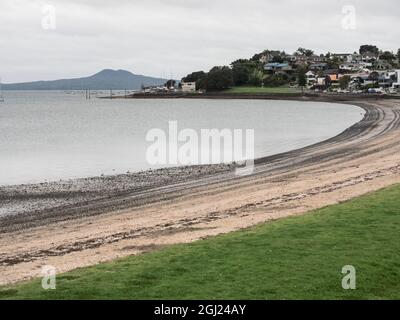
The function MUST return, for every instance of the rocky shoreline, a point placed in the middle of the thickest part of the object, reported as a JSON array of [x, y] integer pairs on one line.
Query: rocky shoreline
[[19, 202]]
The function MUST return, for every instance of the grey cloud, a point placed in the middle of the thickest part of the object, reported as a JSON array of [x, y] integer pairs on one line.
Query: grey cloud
[[159, 38]]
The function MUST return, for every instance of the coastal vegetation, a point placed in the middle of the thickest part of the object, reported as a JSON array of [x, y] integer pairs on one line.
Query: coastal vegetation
[[300, 257]]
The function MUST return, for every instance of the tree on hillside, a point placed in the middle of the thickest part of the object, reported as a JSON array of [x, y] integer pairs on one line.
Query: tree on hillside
[[334, 63], [197, 77], [218, 78], [170, 84], [256, 78], [388, 56], [240, 75], [304, 52], [258, 56], [242, 69], [367, 48], [374, 76], [344, 82], [194, 76], [302, 80], [245, 62], [328, 81], [278, 59]]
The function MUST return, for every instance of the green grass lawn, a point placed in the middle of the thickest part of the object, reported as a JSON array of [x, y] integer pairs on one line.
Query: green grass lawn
[[273, 90], [294, 258]]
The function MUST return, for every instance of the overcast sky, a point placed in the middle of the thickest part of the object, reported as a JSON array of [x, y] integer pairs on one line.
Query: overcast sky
[[175, 37]]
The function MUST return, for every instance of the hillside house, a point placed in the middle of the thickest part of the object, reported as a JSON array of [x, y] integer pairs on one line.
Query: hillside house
[[370, 57], [316, 59], [311, 78], [345, 57], [349, 67], [318, 66], [382, 65]]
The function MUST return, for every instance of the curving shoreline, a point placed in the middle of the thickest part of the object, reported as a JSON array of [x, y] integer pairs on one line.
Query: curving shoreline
[[28, 205], [190, 203]]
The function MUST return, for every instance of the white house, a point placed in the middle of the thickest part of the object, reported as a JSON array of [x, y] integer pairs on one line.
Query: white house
[[355, 58], [370, 56], [310, 76], [321, 81], [267, 57], [396, 85], [365, 64], [348, 67], [188, 86], [346, 57]]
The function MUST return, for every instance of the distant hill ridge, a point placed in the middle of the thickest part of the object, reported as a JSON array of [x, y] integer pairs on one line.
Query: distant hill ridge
[[103, 80]]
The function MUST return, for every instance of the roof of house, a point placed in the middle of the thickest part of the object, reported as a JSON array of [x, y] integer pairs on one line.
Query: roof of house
[[277, 65], [342, 54], [322, 64], [331, 71], [363, 77]]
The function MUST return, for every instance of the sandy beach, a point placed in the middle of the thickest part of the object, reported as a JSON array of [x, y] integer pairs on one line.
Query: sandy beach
[[78, 223]]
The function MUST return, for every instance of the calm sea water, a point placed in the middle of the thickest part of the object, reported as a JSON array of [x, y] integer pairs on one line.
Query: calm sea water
[[46, 136]]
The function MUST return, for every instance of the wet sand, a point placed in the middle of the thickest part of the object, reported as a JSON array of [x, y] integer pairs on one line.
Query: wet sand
[[77, 223]]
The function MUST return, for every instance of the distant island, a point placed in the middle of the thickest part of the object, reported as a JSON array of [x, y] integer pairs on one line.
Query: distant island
[[103, 80]]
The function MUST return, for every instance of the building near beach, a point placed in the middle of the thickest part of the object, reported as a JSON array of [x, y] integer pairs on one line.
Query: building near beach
[[188, 86], [311, 78]]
